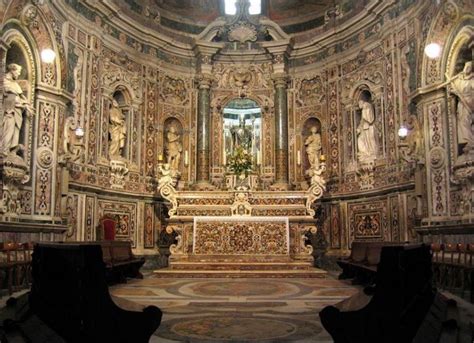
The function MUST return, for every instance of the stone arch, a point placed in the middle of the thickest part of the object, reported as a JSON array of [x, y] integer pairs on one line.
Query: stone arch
[[448, 19]]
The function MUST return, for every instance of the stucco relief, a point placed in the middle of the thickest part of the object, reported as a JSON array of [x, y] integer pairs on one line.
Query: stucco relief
[[173, 90], [243, 76]]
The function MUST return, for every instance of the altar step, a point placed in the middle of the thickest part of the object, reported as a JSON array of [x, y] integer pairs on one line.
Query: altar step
[[240, 268], [240, 265], [240, 273]]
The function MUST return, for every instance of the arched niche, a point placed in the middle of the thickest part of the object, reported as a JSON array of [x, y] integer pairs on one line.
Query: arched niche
[[173, 152], [19, 52], [118, 106], [459, 55], [308, 142], [364, 94], [242, 126]]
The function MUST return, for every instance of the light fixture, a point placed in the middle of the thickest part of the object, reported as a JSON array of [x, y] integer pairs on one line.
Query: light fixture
[[402, 131], [433, 50], [79, 131], [48, 55]]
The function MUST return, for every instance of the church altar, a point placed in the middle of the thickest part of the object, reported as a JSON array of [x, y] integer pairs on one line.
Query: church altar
[[241, 235]]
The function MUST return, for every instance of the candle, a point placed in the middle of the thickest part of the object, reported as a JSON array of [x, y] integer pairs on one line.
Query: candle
[[258, 158], [224, 158], [160, 158], [186, 158], [298, 158], [322, 158]]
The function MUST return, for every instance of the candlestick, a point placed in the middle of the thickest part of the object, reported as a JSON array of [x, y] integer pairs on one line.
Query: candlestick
[[298, 158]]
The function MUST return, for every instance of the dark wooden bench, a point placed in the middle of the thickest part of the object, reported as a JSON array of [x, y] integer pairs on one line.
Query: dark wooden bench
[[362, 263], [15, 265], [119, 260], [453, 267]]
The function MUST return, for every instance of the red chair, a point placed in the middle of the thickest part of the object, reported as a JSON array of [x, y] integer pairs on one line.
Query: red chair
[[107, 227]]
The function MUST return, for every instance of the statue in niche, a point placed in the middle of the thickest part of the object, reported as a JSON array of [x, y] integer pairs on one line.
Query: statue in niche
[[241, 136], [415, 139], [313, 147], [16, 104], [72, 144], [463, 88], [173, 148], [117, 130], [366, 145]]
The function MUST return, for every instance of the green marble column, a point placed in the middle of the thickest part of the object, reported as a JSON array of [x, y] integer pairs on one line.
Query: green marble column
[[281, 133], [203, 133]]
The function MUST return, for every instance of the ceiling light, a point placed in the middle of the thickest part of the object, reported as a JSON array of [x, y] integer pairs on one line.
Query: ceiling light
[[48, 55], [433, 50]]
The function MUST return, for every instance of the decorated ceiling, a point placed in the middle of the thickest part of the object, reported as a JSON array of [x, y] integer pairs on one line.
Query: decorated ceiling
[[192, 16]]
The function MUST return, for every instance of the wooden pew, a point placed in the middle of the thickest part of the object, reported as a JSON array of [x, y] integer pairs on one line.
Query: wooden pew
[[453, 267], [362, 263], [119, 260], [402, 298], [69, 293], [15, 265]]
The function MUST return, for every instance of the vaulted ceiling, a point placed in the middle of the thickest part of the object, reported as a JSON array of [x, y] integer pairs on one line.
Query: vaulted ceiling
[[192, 16]]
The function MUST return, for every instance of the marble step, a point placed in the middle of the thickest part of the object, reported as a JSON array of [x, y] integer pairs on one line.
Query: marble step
[[281, 273], [239, 265]]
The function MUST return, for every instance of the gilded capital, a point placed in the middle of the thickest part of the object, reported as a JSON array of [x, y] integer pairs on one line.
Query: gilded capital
[[280, 80], [204, 81]]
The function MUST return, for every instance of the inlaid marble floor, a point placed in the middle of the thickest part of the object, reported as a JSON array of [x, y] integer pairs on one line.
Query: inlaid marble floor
[[236, 310]]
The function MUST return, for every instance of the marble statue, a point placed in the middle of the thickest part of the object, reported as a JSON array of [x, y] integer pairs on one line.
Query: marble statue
[[313, 147], [366, 144], [463, 88], [241, 136], [15, 104], [415, 139], [72, 144], [173, 148], [117, 130]]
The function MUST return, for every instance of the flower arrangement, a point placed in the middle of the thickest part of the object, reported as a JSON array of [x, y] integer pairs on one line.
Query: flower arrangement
[[240, 161]]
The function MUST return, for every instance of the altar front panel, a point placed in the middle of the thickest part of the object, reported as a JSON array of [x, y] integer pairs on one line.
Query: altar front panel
[[241, 236]]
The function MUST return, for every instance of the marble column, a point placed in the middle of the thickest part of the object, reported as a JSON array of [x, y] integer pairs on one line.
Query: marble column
[[203, 134], [281, 134]]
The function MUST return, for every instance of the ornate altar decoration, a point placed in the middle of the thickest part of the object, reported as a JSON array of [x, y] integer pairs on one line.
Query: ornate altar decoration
[[167, 181], [241, 236], [317, 186], [241, 205]]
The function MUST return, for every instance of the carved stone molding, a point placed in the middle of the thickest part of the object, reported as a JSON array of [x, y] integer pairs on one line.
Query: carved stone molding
[[176, 249], [316, 188], [14, 175], [241, 205], [118, 170], [167, 181], [242, 32], [44, 157], [365, 173]]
